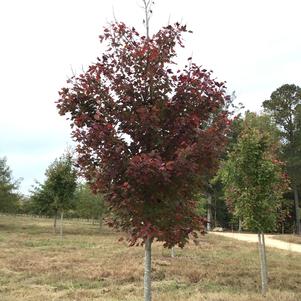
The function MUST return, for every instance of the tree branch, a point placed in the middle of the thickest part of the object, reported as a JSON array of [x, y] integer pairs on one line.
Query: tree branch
[[147, 6]]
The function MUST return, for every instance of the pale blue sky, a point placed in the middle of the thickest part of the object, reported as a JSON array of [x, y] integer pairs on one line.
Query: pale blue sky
[[254, 45]]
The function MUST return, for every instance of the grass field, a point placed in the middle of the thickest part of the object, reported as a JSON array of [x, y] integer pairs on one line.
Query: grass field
[[296, 239], [87, 265]]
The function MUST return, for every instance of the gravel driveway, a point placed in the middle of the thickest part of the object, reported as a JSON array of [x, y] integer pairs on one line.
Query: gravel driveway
[[269, 240]]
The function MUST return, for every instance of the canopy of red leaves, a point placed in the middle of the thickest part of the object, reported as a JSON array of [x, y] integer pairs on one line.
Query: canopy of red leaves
[[147, 133]]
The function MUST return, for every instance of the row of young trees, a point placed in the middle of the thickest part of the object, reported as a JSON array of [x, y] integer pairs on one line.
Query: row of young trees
[[62, 193], [220, 213]]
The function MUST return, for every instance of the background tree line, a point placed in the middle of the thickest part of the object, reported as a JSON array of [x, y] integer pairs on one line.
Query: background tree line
[[63, 194], [281, 123]]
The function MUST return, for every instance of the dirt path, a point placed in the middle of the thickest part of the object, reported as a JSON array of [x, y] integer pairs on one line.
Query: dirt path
[[269, 240]]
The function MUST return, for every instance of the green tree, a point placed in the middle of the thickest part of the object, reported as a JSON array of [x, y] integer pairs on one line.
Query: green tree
[[89, 205], [60, 185], [9, 198], [284, 106], [254, 184], [40, 201], [222, 212]]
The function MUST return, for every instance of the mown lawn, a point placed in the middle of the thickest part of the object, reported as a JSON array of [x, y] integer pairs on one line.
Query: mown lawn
[[89, 264]]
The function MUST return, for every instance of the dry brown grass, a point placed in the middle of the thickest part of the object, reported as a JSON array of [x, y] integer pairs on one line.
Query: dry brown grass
[[292, 238], [35, 265]]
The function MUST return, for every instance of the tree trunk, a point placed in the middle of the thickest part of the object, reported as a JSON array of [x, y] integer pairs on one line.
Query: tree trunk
[[147, 270], [263, 267], [239, 225], [209, 213], [265, 260], [100, 221], [173, 252], [147, 10], [61, 224], [261, 262], [54, 224], [296, 197], [215, 209]]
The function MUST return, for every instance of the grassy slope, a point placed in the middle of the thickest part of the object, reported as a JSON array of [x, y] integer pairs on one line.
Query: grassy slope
[[289, 238], [87, 265]]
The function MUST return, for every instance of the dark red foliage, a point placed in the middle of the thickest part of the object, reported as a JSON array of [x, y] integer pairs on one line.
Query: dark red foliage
[[148, 134]]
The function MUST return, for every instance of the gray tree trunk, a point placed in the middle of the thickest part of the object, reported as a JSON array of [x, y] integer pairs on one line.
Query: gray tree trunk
[[209, 213], [54, 223], [61, 224], [147, 270], [263, 262], [173, 252], [100, 221], [297, 210], [239, 225], [215, 213]]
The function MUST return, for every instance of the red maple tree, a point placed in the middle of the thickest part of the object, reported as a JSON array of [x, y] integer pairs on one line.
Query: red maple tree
[[148, 134]]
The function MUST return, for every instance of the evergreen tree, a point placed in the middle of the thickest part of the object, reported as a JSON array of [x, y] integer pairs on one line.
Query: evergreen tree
[[9, 198]]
